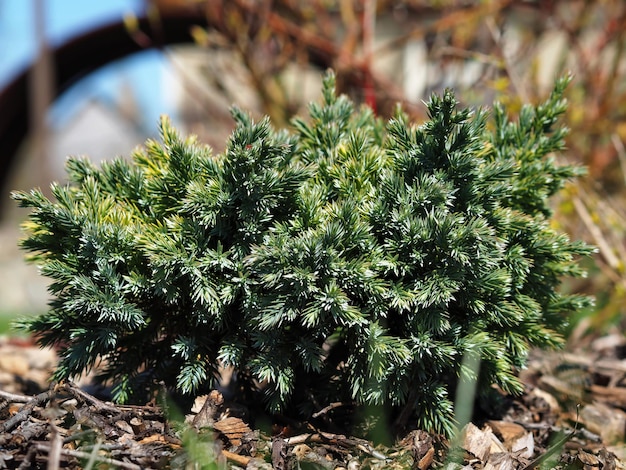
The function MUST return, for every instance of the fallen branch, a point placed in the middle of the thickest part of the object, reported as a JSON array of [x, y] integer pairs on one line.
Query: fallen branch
[[242, 460], [328, 408], [79, 394], [45, 447], [14, 397], [26, 410], [337, 439]]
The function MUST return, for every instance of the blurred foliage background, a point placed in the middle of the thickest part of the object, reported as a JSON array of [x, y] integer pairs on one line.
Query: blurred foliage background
[[269, 55]]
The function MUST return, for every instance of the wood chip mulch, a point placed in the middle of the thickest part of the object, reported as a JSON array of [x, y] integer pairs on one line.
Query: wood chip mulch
[[571, 417]]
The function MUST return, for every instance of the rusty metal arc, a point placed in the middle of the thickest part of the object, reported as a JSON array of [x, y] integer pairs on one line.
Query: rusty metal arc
[[75, 59]]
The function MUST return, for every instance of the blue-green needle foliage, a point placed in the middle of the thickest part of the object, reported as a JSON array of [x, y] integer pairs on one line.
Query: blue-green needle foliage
[[344, 260]]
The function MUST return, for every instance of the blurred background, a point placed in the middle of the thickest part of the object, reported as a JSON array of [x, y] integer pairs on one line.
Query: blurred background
[[92, 78]]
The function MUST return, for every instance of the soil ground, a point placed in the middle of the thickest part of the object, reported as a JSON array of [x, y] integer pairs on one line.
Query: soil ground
[[571, 416]]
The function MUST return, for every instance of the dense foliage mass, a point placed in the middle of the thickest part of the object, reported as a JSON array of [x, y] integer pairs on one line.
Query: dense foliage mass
[[346, 260]]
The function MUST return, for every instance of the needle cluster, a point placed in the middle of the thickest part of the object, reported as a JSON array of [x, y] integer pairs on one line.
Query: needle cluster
[[346, 259]]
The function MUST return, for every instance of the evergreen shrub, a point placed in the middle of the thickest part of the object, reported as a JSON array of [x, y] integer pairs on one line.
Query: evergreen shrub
[[346, 259]]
